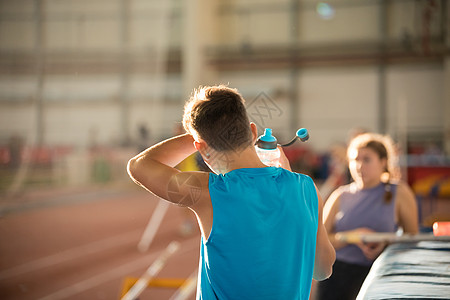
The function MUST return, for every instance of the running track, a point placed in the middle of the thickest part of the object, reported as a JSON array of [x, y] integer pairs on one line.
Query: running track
[[82, 244]]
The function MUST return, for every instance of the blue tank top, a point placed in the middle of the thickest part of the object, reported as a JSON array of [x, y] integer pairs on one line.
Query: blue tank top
[[263, 239], [363, 208]]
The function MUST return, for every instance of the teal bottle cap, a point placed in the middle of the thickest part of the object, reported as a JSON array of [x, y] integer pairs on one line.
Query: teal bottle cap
[[302, 134]]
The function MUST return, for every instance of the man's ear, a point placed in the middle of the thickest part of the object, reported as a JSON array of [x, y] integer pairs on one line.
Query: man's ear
[[197, 146], [254, 130], [202, 148]]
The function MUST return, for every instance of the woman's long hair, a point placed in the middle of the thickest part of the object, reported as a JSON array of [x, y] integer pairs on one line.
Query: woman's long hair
[[384, 146]]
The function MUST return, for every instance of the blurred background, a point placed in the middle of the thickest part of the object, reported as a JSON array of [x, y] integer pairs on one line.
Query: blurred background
[[104, 77], [86, 84]]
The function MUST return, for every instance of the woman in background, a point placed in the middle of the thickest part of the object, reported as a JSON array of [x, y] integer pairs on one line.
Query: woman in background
[[375, 202]]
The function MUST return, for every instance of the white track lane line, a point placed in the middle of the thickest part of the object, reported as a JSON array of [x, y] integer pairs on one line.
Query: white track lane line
[[116, 272], [142, 283], [187, 289], [70, 254]]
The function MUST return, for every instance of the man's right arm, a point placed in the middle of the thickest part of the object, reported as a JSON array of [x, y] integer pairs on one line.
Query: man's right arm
[[325, 254]]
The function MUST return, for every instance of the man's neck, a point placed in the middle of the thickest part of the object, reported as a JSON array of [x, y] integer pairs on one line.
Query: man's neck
[[246, 158]]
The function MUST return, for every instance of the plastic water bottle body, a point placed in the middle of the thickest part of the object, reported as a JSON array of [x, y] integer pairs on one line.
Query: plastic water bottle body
[[267, 149], [269, 157]]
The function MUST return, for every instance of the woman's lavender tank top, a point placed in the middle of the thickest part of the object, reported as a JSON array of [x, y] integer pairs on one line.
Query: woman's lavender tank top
[[364, 208]]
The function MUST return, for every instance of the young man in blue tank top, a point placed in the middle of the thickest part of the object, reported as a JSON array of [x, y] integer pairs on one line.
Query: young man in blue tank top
[[261, 227]]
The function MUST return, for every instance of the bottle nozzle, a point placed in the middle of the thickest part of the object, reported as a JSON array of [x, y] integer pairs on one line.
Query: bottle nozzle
[[268, 135]]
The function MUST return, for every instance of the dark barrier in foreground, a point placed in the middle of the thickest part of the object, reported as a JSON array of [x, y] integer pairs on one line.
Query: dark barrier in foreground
[[410, 271]]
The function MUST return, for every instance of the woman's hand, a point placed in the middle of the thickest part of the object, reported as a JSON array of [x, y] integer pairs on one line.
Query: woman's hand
[[370, 250]]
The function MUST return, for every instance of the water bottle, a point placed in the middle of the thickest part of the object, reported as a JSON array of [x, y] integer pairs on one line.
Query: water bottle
[[267, 150]]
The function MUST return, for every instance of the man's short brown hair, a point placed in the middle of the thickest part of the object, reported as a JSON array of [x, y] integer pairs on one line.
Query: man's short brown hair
[[218, 115]]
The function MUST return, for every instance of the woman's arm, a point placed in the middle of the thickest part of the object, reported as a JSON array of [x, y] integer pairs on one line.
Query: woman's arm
[[325, 254], [330, 210], [406, 209]]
